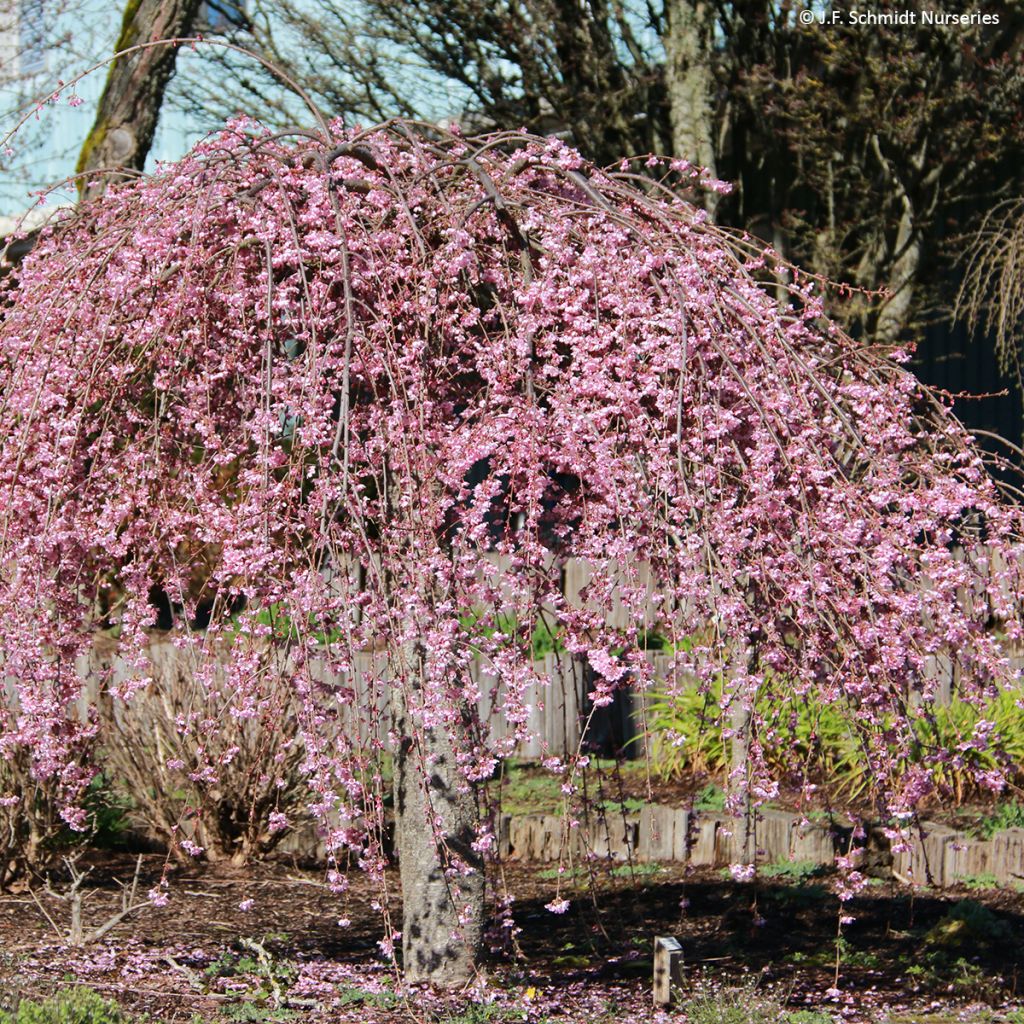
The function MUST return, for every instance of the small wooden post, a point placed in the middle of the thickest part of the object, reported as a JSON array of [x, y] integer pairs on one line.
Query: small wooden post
[[668, 968]]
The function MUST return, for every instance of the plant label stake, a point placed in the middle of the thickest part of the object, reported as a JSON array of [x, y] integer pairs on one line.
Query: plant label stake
[[668, 968]]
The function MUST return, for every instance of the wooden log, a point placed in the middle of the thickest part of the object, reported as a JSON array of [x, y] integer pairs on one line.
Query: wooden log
[[503, 828], [769, 839], [931, 858], [682, 835], [518, 837], [668, 968], [1008, 855], [703, 852], [612, 838], [965, 858], [550, 838], [774, 835], [730, 840], [812, 843], [657, 833]]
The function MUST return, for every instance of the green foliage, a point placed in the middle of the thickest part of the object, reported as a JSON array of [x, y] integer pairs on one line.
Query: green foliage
[[257, 1014], [69, 1006], [570, 958], [527, 789], [950, 726], [362, 997], [108, 809], [686, 736], [745, 1004], [851, 956], [541, 638], [276, 619], [968, 925], [959, 977], [986, 880], [686, 733], [572, 874], [796, 871], [710, 798], [266, 976], [538, 636], [1009, 815], [529, 792], [630, 805], [947, 957], [636, 871]]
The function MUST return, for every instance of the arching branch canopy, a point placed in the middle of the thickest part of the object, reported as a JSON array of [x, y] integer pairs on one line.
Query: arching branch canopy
[[378, 387]]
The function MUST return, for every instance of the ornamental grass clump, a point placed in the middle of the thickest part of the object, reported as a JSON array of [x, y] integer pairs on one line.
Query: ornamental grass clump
[[332, 391], [688, 736]]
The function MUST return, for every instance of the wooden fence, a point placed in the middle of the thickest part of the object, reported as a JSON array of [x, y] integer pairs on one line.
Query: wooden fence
[[559, 711], [932, 854]]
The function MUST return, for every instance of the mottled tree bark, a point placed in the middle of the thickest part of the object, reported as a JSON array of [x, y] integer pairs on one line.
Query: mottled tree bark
[[130, 105], [740, 722], [442, 876], [899, 305], [690, 84]]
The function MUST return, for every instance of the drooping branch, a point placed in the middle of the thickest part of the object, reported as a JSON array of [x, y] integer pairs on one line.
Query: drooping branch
[[360, 398]]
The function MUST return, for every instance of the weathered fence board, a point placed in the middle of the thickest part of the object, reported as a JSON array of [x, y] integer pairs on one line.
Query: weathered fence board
[[932, 857], [558, 710], [1008, 855]]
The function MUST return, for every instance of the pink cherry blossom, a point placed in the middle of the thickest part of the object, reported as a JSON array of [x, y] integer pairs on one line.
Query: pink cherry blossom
[[353, 402]]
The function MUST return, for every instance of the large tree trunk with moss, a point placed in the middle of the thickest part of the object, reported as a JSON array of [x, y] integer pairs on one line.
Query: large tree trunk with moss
[[130, 105], [442, 875]]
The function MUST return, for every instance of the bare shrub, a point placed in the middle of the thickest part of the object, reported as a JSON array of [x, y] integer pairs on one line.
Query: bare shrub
[[187, 740], [30, 821]]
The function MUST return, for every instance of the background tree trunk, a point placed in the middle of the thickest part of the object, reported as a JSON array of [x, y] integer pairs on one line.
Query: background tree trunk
[[690, 82], [442, 876], [130, 104]]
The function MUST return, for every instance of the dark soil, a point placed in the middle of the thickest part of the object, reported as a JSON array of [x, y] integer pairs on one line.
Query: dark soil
[[905, 957]]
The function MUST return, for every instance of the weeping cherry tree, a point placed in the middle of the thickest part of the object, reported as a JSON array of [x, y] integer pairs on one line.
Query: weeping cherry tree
[[363, 392]]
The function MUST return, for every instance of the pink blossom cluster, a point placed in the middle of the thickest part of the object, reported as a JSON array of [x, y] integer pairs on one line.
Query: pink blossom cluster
[[367, 394]]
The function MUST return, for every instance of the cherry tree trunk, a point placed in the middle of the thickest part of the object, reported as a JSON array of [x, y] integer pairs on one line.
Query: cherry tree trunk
[[442, 876], [741, 717]]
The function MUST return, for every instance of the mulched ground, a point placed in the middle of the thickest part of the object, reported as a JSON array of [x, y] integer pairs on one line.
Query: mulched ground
[[906, 957]]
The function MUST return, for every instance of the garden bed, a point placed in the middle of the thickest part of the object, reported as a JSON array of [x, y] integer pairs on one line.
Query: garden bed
[[210, 956]]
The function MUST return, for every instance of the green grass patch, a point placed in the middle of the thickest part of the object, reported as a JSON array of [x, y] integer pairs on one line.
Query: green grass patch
[[69, 1006], [796, 872], [1010, 815], [637, 871]]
